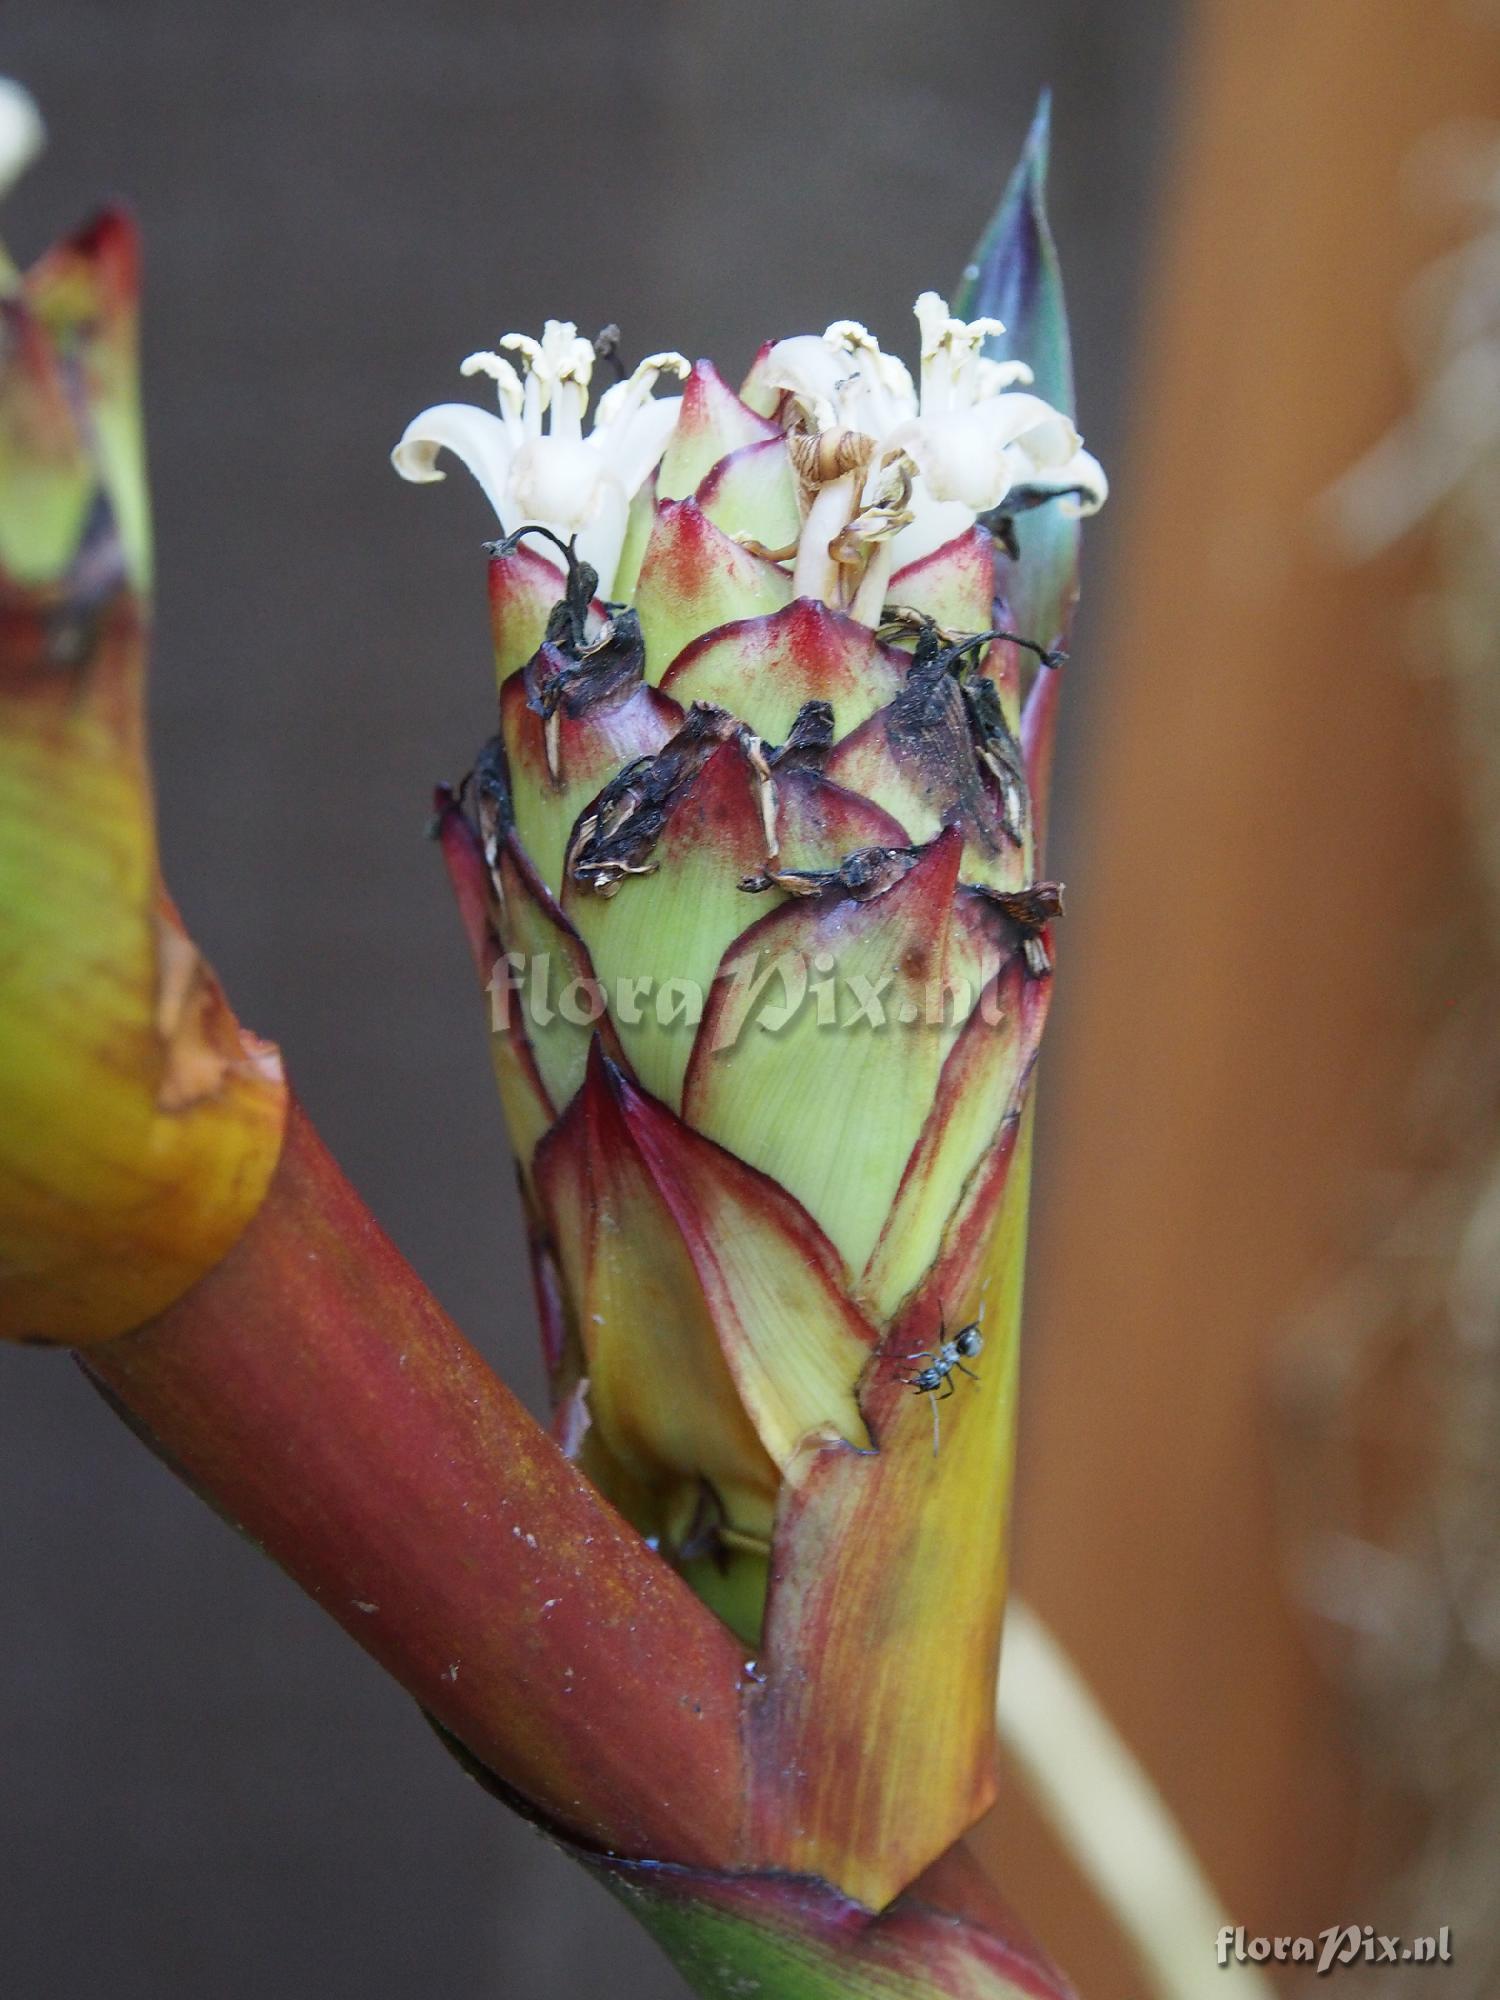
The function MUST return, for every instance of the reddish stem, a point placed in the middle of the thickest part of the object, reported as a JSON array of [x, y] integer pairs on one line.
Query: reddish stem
[[311, 1389]]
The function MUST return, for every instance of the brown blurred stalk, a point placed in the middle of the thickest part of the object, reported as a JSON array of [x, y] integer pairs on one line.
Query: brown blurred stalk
[[1275, 841]]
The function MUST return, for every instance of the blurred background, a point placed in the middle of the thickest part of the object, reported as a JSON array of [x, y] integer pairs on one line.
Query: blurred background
[[1258, 1485]]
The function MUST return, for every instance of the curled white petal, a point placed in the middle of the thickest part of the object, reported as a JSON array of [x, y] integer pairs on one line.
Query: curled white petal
[[476, 436], [22, 133], [817, 573]]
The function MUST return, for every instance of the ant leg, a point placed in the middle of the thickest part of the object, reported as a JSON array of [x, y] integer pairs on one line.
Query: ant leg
[[966, 1371], [947, 1388]]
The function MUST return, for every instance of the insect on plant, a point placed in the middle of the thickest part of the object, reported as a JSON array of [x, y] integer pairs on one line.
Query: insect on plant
[[935, 1378]]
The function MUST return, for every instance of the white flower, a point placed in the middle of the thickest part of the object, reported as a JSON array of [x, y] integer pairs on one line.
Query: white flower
[[553, 476], [21, 132], [937, 458]]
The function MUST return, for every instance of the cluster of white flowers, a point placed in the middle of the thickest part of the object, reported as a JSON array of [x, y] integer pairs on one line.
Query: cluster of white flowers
[[554, 476], [942, 454], [913, 466]]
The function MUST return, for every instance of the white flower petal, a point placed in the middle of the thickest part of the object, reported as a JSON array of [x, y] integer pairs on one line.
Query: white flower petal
[[633, 446], [1046, 435], [557, 480], [602, 538], [476, 436], [958, 458], [811, 370], [22, 134], [933, 523], [1081, 479]]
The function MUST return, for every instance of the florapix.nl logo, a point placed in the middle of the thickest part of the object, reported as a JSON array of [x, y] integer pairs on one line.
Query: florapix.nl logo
[[768, 993], [1337, 1946]]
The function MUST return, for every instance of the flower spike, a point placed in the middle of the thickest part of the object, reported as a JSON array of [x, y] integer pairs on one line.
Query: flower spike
[[769, 818]]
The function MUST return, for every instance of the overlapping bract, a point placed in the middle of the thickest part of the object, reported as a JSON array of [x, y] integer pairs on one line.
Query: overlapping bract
[[753, 873]]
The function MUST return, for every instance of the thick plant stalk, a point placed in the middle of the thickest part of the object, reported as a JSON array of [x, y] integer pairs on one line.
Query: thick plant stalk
[[312, 1390], [780, 1795]]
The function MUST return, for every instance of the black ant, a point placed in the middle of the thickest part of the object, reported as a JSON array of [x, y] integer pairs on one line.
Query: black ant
[[936, 1378]]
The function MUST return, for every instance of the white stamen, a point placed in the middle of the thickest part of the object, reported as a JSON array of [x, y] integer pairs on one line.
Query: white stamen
[[625, 398], [507, 382], [529, 350], [991, 377]]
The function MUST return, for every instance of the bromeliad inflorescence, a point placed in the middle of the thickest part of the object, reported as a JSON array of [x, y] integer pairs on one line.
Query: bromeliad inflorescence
[[752, 870], [753, 874]]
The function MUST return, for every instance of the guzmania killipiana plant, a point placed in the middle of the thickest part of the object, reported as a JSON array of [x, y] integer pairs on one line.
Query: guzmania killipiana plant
[[751, 867]]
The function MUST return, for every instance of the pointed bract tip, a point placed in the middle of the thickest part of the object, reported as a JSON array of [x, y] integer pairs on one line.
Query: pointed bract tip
[[1014, 277], [603, 1076]]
